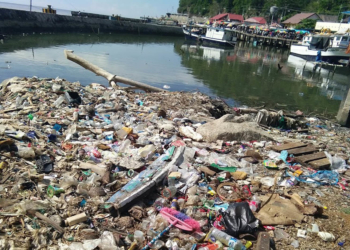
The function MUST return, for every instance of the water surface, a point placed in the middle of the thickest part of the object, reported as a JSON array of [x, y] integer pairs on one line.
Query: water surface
[[244, 75]]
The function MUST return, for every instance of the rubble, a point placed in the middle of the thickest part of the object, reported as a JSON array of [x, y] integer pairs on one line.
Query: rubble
[[97, 168]]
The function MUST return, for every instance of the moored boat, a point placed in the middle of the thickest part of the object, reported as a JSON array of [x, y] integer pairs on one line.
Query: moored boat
[[327, 48], [211, 35]]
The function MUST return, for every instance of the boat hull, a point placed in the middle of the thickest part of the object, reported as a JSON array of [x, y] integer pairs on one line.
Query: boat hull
[[209, 41], [330, 55]]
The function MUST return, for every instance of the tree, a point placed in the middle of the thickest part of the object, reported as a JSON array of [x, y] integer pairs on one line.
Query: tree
[[262, 7], [306, 24]]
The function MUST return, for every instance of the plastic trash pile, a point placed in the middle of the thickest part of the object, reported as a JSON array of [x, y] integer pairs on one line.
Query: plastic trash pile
[[96, 168]]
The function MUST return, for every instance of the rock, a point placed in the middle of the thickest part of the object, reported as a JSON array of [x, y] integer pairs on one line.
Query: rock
[[226, 129]]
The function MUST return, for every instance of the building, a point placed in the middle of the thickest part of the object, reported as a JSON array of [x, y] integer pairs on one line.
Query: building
[[334, 27], [298, 18], [329, 18], [255, 21], [227, 17]]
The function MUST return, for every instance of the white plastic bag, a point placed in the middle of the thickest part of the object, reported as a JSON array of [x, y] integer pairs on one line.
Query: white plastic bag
[[107, 241], [190, 133]]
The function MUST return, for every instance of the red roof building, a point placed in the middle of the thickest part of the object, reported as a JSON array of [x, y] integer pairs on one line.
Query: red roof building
[[255, 20], [229, 17]]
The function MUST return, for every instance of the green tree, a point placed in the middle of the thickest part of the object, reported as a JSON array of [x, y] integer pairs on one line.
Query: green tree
[[262, 7], [306, 24]]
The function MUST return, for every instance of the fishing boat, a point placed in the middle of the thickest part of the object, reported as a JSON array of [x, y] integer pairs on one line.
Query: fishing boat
[[211, 35], [325, 47]]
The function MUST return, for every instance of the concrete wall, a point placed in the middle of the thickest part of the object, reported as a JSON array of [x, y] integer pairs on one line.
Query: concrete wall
[[17, 21]]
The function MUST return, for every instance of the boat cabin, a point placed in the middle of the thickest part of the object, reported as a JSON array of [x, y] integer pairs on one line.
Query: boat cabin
[[306, 40], [341, 41], [320, 42], [220, 33]]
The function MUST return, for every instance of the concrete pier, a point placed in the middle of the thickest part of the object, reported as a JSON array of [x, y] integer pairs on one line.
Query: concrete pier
[[265, 40], [17, 21], [343, 116]]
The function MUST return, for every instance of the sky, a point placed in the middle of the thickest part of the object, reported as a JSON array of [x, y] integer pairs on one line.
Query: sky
[[126, 8]]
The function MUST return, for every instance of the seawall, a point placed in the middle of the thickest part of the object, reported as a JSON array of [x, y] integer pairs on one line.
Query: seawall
[[18, 21]]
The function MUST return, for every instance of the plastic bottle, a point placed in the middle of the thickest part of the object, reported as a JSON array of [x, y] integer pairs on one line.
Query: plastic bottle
[[125, 146], [142, 140], [174, 232], [59, 101], [217, 245], [160, 203], [226, 239], [149, 149], [18, 101], [25, 103], [138, 236], [254, 204], [319, 193], [145, 224], [158, 244], [94, 159]]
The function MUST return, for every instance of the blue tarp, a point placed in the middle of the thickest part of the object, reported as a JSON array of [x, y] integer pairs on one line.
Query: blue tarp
[[346, 12]]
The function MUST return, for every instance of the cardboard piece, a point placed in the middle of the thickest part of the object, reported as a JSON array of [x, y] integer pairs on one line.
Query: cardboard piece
[[279, 211]]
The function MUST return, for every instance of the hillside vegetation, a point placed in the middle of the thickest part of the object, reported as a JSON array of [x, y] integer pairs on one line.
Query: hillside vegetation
[[262, 7]]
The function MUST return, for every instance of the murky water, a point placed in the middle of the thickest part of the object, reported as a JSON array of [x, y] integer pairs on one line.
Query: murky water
[[244, 75]]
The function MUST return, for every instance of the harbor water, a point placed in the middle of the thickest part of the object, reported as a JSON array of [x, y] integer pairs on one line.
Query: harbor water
[[241, 75]]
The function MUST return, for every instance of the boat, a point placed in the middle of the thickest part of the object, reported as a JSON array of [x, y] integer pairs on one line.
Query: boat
[[211, 35], [324, 47]]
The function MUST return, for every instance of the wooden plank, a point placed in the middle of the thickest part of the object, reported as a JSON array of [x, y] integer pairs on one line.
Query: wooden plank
[[320, 164], [312, 157], [263, 241], [302, 151], [287, 146]]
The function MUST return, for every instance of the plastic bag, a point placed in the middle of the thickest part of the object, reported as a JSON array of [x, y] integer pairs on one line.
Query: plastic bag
[[189, 132], [337, 163], [107, 241], [324, 177], [239, 219]]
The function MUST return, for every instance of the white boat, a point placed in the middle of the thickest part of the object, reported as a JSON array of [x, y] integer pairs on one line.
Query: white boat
[[212, 35], [327, 48]]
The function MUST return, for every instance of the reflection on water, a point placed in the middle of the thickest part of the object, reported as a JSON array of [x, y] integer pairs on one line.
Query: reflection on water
[[331, 81], [251, 76], [244, 75]]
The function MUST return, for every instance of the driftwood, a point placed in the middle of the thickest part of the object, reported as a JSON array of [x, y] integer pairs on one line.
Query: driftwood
[[112, 79]]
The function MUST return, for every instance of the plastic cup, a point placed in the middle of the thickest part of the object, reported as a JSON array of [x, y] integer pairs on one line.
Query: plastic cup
[[138, 236]]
